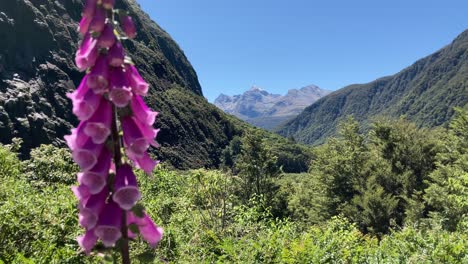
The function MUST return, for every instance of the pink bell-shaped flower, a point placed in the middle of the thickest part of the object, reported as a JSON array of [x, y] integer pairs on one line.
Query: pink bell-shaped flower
[[139, 86], [80, 91], [99, 20], [120, 92], [99, 75], [99, 125], [148, 132], [126, 193], [96, 178], [81, 193], [85, 101], [77, 138], [89, 8], [142, 112], [126, 22], [87, 155], [87, 53], [107, 38], [85, 108], [116, 55], [135, 142], [84, 25], [87, 241], [90, 211], [109, 224], [149, 231], [146, 163]]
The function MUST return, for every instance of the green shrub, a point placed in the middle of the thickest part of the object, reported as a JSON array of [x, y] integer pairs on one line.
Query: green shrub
[[49, 164]]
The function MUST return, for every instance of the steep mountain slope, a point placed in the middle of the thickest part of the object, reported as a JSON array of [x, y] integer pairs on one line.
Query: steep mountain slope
[[425, 93], [38, 42], [266, 110]]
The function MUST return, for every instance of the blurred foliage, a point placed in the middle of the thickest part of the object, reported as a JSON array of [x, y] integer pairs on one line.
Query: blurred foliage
[[49, 164]]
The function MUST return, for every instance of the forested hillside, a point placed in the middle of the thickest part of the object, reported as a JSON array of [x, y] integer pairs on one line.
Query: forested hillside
[[424, 93], [37, 69]]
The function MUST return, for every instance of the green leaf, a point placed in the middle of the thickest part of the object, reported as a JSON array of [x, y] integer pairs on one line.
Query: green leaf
[[138, 210], [134, 228]]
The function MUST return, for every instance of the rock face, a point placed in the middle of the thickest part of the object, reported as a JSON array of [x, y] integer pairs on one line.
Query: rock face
[[266, 110], [37, 47], [425, 93]]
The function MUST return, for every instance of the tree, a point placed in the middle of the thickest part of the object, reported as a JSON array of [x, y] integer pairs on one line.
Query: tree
[[340, 167], [407, 155], [447, 194], [257, 168], [230, 153], [373, 209]]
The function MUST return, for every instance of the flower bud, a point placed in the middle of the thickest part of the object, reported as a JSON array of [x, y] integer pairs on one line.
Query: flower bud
[[87, 53], [126, 22], [89, 8], [116, 55], [99, 20], [107, 38], [120, 92], [99, 75]]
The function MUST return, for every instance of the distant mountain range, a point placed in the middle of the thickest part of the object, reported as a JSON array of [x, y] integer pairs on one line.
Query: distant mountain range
[[266, 110], [425, 93]]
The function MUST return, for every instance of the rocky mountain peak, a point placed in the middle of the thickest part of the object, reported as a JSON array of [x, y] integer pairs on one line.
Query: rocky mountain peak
[[259, 107]]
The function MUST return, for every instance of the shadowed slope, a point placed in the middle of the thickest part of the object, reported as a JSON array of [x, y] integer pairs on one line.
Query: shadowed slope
[[424, 93]]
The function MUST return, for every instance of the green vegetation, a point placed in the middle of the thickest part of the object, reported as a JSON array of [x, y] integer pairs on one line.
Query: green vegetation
[[396, 194], [425, 93]]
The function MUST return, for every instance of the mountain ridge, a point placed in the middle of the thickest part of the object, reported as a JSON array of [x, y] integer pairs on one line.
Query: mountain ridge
[[424, 92], [267, 110], [39, 41]]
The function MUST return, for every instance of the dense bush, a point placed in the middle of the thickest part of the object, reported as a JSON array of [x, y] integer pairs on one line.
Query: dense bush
[[420, 219], [49, 164], [37, 225], [394, 175]]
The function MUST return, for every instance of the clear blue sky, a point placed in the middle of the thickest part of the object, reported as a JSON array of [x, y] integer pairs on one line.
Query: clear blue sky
[[284, 44]]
